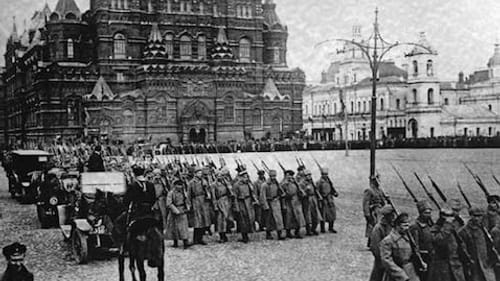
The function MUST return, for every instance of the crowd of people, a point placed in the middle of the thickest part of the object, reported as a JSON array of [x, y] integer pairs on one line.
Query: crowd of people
[[449, 249]]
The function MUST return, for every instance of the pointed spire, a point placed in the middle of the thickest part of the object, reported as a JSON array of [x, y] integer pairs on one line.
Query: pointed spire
[[155, 49], [101, 90], [271, 91], [271, 18], [495, 59], [155, 35], [221, 49], [221, 36], [14, 36], [65, 7]]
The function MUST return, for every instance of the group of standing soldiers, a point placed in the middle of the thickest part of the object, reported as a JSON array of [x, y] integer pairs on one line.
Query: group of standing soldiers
[[448, 249], [198, 196]]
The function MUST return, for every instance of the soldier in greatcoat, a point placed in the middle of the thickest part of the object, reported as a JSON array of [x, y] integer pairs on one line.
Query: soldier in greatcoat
[[200, 199], [310, 203], [294, 216], [178, 204], [449, 250], [421, 231], [473, 235], [16, 271], [222, 197], [380, 231], [259, 218], [373, 201], [396, 252], [492, 215], [161, 191], [270, 200], [328, 208], [244, 205]]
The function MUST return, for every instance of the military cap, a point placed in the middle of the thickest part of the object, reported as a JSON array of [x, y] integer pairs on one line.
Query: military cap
[[206, 170], [138, 170], [493, 199], [455, 204], [423, 205], [261, 172], [14, 251], [323, 171], [272, 173], [301, 168], [289, 172], [197, 169], [401, 218], [476, 211], [386, 210], [307, 172], [446, 212], [225, 171]]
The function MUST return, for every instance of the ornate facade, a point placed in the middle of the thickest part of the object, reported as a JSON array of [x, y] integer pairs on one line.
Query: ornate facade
[[188, 70]]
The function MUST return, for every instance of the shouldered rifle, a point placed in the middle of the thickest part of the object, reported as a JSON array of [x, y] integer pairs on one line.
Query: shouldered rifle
[[495, 179], [478, 180], [266, 168], [429, 194], [255, 166], [405, 184], [438, 190], [334, 191], [491, 242]]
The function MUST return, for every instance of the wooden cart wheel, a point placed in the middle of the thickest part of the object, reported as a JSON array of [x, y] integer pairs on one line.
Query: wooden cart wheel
[[79, 246]]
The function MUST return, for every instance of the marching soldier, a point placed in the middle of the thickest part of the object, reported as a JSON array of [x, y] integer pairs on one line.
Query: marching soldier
[[449, 251], [328, 209], [473, 235], [244, 205], [222, 197], [396, 252], [380, 231], [161, 191], [373, 201], [492, 212], [310, 204], [177, 202], [259, 218], [421, 231], [294, 216], [270, 200], [16, 271], [200, 198], [456, 207]]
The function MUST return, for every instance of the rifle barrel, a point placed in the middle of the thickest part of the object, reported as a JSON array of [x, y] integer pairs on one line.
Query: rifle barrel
[[438, 190], [405, 184], [463, 195], [429, 194]]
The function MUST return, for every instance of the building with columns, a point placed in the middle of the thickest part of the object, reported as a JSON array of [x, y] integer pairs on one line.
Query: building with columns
[[187, 70], [412, 100]]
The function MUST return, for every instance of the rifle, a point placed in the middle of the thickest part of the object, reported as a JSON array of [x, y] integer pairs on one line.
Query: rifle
[[478, 180], [334, 191], [427, 191], [421, 264], [316, 190], [405, 185], [495, 179], [438, 190], [266, 168]]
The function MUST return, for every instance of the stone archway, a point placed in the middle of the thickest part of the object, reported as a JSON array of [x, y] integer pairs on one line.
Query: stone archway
[[413, 127]]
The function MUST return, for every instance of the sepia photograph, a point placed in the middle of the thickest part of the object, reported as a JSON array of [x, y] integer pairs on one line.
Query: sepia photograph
[[250, 140]]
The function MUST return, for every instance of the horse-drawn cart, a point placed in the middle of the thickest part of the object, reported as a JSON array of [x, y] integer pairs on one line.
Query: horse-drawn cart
[[91, 228]]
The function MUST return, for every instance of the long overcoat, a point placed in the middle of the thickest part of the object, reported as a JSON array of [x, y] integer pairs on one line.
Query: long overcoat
[[244, 206], [373, 201], [380, 231], [270, 200], [177, 219], [221, 196], [396, 256], [198, 194], [310, 204], [475, 242], [294, 215], [328, 209], [446, 264]]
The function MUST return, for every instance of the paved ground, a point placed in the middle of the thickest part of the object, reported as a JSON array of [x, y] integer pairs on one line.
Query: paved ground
[[339, 256]]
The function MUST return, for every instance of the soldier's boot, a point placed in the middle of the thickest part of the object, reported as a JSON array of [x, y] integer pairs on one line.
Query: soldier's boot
[[176, 244], [289, 233], [314, 226], [297, 233], [223, 237], [244, 238], [269, 236], [322, 226], [208, 231], [280, 237], [308, 230], [186, 243], [330, 228]]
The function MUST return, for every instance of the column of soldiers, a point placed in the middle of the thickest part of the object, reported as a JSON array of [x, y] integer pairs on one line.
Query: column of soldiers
[[422, 249]]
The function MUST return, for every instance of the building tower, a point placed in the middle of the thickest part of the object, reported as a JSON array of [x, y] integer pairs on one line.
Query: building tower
[[423, 97], [275, 36]]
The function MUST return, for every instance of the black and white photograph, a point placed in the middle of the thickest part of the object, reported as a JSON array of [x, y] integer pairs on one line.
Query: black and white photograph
[[250, 140]]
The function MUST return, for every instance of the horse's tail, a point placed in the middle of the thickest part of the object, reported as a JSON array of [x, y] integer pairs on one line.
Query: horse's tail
[[155, 247]]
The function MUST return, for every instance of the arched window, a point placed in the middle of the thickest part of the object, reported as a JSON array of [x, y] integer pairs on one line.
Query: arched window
[[257, 118], [229, 109], [359, 106], [54, 17], [306, 109], [70, 16], [398, 104], [238, 11], [364, 106], [119, 46], [415, 68], [276, 55], [334, 108], [244, 50], [430, 96], [70, 49], [446, 101], [202, 7], [381, 104], [186, 47], [169, 6], [490, 107], [202, 48], [169, 45], [415, 97], [430, 70]]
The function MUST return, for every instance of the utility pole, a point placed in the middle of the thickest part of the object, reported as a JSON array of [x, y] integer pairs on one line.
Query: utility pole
[[374, 50]]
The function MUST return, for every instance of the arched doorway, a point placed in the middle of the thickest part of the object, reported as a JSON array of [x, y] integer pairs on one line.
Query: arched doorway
[[202, 136], [413, 127], [193, 136]]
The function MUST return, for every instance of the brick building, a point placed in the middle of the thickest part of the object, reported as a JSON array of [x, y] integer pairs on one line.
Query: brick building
[[188, 70]]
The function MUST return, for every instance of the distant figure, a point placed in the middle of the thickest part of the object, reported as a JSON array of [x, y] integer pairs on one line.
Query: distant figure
[[95, 163], [16, 271]]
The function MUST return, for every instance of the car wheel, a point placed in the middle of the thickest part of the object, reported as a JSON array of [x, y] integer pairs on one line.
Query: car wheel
[[79, 246]]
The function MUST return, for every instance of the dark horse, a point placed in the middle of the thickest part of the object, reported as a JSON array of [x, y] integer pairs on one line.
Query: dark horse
[[141, 238]]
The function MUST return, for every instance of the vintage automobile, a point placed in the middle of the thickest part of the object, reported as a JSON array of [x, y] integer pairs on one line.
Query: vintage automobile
[[54, 194], [25, 166], [89, 231]]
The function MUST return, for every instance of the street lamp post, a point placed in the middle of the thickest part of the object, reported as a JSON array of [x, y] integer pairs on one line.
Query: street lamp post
[[374, 54]]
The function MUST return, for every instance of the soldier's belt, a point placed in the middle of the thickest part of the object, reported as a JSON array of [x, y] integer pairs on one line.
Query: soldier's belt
[[222, 196]]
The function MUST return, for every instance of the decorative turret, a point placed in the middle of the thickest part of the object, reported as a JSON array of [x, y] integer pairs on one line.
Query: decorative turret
[[275, 36], [495, 59], [155, 48], [271, 19], [221, 50], [66, 10], [14, 37], [421, 60]]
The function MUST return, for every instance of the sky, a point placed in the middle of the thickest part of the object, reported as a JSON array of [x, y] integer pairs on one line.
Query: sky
[[462, 31]]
